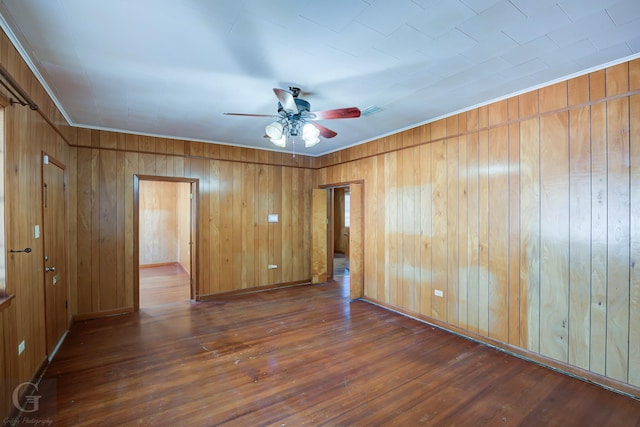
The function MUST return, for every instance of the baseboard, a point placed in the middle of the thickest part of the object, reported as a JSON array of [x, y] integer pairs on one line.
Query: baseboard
[[208, 297], [160, 264], [100, 314], [555, 365]]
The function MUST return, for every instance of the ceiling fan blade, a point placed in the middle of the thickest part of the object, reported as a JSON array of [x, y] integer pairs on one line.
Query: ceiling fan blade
[[286, 100], [338, 113], [250, 115], [324, 132]]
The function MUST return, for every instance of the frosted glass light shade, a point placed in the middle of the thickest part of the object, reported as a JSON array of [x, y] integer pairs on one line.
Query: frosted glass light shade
[[311, 142], [274, 130], [310, 132], [280, 142]]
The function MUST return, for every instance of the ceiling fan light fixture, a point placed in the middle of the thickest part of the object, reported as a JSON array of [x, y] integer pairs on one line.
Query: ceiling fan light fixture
[[310, 132], [311, 142], [274, 130], [280, 142]]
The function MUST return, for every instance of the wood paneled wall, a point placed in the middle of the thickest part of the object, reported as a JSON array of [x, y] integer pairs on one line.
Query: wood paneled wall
[[183, 214], [158, 222], [27, 134], [524, 213], [235, 242], [339, 231]]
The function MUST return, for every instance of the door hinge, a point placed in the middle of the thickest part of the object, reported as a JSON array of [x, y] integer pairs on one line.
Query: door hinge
[[66, 304]]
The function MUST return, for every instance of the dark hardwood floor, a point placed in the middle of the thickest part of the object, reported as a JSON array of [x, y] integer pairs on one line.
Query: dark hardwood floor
[[303, 356]]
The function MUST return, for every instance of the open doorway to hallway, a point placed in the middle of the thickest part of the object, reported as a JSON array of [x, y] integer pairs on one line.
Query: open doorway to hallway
[[164, 242], [341, 226]]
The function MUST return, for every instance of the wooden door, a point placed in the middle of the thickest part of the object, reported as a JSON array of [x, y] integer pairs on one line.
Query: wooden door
[[53, 234], [356, 242], [319, 236]]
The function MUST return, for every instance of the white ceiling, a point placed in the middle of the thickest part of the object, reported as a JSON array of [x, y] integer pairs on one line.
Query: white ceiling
[[173, 67]]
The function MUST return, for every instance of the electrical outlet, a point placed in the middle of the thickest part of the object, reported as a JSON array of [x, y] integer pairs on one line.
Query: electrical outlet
[[438, 293], [272, 266], [20, 348]]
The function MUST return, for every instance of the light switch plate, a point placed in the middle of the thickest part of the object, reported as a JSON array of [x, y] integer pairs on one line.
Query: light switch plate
[[272, 218], [36, 231]]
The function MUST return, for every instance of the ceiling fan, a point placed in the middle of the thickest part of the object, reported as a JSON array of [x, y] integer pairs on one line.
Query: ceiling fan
[[294, 118]]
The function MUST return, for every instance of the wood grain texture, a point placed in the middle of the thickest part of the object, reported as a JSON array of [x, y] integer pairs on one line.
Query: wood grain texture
[[473, 242], [546, 183], [530, 233], [356, 240], [599, 195], [516, 310], [453, 230], [27, 134], [158, 222], [554, 236], [253, 372], [634, 237], [439, 216], [580, 237], [424, 304], [498, 192], [228, 190], [483, 233], [319, 236], [618, 238]]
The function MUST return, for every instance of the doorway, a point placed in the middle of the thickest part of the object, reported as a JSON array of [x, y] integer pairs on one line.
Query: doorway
[[165, 231], [54, 230], [341, 201], [328, 227]]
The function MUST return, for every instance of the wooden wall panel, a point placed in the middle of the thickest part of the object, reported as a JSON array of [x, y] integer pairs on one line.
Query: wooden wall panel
[[532, 222], [158, 223], [26, 136], [634, 237], [515, 309], [597, 348], [393, 254], [483, 231], [463, 270], [530, 234], [579, 236], [473, 233], [439, 252], [617, 354], [235, 243], [453, 229], [554, 236], [498, 193]]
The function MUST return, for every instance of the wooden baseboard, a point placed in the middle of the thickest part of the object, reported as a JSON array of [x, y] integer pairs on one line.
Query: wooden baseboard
[[558, 366], [160, 264], [209, 297], [100, 314]]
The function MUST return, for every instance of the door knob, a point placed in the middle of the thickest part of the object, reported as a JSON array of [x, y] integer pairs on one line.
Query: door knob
[[48, 269]]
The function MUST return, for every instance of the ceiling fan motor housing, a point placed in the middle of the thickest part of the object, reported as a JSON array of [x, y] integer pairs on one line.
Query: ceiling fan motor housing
[[303, 106]]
